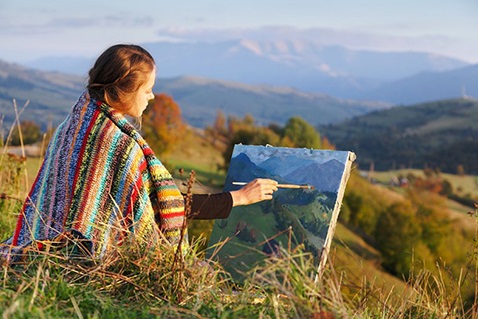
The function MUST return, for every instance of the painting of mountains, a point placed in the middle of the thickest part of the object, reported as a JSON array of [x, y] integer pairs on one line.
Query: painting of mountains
[[295, 216]]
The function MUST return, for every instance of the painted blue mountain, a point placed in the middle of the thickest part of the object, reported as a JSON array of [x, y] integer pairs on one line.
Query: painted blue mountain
[[284, 165], [242, 169], [325, 177]]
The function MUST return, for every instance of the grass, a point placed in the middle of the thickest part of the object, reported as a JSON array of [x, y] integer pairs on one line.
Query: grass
[[148, 283], [196, 151]]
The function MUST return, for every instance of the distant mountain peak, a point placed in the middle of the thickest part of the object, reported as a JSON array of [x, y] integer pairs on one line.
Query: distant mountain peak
[[250, 45]]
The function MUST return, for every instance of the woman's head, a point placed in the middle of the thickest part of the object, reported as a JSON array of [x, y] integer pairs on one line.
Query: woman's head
[[123, 77]]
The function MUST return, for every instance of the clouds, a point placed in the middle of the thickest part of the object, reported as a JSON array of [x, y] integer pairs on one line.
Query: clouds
[[116, 21], [75, 23], [58, 25], [46, 33]]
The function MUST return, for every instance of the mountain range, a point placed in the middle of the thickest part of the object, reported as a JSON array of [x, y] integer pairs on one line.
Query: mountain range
[[429, 86], [304, 64], [51, 95]]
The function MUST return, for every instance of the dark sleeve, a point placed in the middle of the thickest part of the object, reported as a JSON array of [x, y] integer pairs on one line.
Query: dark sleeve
[[211, 206]]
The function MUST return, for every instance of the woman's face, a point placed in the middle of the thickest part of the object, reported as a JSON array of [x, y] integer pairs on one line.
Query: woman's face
[[142, 96]]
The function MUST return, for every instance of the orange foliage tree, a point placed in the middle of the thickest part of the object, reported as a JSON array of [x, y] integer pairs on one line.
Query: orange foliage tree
[[162, 123]]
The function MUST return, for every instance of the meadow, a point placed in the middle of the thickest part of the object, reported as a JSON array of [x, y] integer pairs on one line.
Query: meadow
[[151, 284]]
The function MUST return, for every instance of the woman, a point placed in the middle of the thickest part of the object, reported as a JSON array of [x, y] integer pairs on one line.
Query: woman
[[101, 183]]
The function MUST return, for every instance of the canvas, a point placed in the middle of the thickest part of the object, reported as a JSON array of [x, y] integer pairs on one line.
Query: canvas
[[305, 215]]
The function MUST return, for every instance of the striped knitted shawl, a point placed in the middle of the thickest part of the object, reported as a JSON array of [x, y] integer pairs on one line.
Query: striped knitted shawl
[[101, 180]]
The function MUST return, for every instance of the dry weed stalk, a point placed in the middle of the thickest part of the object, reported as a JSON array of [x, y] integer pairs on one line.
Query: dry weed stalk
[[293, 287]]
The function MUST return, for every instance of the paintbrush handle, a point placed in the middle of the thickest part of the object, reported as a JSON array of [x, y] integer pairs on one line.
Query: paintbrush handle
[[292, 186], [280, 185]]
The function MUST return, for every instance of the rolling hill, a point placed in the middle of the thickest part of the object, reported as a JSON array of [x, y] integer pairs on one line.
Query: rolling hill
[[200, 100], [440, 134], [51, 95]]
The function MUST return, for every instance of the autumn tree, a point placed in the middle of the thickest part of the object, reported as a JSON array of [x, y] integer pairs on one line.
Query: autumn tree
[[326, 144], [162, 123], [220, 124], [218, 131]]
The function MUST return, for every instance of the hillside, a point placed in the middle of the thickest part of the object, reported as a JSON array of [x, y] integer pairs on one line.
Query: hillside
[[350, 254], [355, 260], [200, 100], [354, 254], [440, 134], [52, 94]]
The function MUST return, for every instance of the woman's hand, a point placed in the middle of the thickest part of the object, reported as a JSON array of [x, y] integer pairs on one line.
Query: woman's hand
[[258, 190]]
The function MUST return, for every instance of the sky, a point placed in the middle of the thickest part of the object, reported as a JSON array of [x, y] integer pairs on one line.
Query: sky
[[30, 29]]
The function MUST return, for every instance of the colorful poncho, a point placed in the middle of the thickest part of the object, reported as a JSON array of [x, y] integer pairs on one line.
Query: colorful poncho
[[101, 181]]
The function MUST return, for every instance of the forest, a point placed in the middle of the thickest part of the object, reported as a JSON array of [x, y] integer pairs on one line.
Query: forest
[[440, 135]]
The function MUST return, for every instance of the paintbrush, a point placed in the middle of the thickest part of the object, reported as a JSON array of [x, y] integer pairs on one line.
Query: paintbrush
[[282, 185]]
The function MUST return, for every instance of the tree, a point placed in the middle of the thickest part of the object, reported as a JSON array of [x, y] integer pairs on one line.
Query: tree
[[326, 144], [243, 131], [296, 133], [220, 124], [301, 133], [218, 131], [31, 133], [396, 233], [162, 123], [250, 135]]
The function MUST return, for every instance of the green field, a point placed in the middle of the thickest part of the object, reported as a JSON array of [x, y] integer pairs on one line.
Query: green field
[[463, 185]]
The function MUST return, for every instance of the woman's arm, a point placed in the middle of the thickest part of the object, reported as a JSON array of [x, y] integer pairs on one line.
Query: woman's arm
[[214, 206], [210, 206]]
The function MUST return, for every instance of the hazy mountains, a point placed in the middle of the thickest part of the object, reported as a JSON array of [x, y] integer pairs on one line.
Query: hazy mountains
[[52, 94], [429, 86], [304, 64], [438, 134]]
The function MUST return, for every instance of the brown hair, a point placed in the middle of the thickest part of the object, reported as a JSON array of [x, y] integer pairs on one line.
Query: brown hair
[[118, 72]]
